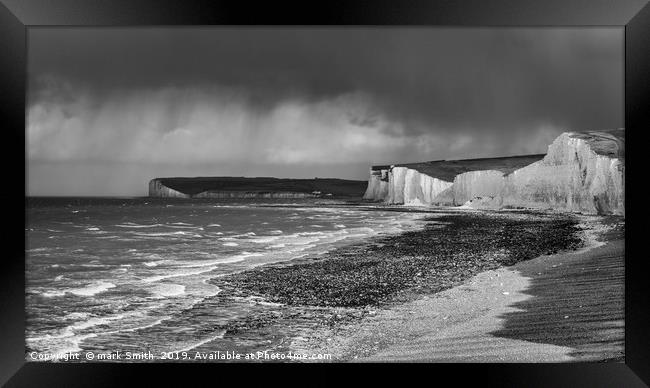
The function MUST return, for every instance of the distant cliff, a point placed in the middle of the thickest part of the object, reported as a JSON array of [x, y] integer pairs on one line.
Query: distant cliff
[[581, 172], [240, 187]]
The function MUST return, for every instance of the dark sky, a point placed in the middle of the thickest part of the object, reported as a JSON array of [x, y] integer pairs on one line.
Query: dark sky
[[111, 108]]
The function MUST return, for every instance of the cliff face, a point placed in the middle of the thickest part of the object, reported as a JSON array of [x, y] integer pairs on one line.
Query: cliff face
[[573, 176], [377, 185], [410, 187], [158, 189], [477, 184], [581, 172]]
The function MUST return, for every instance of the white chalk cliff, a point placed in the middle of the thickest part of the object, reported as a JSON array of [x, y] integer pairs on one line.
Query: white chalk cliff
[[581, 172], [158, 189]]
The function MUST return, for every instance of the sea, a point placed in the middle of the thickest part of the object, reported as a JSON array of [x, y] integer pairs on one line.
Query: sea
[[130, 274]]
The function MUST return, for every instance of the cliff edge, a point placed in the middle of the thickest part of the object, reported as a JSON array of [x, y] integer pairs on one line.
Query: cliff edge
[[581, 172]]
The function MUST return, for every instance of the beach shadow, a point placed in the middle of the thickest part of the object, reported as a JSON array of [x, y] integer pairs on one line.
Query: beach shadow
[[576, 301]]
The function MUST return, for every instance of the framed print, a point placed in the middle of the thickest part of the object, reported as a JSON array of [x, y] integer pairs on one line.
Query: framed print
[[324, 186]]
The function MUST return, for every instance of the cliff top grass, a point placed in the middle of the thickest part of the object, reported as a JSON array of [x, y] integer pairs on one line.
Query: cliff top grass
[[336, 187], [448, 169]]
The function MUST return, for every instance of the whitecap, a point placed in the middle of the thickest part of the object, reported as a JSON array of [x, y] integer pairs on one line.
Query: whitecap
[[133, 225], [310, 233], [92, 289], [38, 249], [264, 240], [230, 244], [52, 294], [168, 290], [175, 275], [168, 234], [76, 315], [234, 259]]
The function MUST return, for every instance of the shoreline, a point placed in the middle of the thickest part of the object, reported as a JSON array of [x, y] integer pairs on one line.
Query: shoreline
[[311, 298], [564, 307], [451, 245]]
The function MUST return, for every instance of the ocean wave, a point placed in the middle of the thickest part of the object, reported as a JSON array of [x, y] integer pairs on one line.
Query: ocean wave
[[52, 294], [89, 290], [187, 348], [134, 225], [92, 289], [264, 240], [230, 244], [311, 233], [34, 250], [182, 225], [60, 344], [175, 275], [68, 339], [168, 290], [167, 234], [223, 260], [76, 315]]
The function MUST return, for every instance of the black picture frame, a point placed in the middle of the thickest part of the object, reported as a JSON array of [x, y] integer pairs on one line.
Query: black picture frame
[[16, 16]]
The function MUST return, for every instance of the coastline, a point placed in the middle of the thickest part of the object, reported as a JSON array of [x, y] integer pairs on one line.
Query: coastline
[[311, 313], [564, 307]]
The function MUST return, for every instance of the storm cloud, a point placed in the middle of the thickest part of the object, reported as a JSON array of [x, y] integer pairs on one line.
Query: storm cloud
[[110, 108]]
